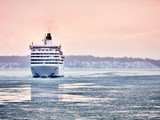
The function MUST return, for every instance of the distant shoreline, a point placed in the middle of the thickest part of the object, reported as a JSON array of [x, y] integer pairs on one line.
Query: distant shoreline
[[86, 62]]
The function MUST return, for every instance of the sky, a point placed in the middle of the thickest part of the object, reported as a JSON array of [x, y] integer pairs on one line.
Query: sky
[[112, 28]]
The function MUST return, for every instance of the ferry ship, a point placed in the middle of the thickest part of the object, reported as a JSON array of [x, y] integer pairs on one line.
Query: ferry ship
[[46, 60]]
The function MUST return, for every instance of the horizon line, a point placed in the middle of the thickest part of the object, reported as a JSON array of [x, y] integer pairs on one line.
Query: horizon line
[[90, 56]]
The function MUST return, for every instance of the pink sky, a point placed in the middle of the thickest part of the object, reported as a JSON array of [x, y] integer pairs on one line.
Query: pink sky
[[115, 28]]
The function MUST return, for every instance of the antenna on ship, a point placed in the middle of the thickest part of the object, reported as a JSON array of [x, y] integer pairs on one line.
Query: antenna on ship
[[44, 39]]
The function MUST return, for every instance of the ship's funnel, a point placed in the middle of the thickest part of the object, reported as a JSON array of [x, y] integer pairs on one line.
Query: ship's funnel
[[48, 37]]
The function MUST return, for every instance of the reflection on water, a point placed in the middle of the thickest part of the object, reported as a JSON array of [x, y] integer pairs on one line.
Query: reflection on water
[[76, 85], [68, 90], [84, 96], [19, 93], [75, 98], [64, 88]]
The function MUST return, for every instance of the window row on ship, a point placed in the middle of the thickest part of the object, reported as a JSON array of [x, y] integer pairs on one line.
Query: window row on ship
[[46, 63], [46, 60], [45, 50], [46, 54]]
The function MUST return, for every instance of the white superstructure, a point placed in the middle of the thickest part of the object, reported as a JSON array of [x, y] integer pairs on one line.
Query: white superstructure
[[47, 60]]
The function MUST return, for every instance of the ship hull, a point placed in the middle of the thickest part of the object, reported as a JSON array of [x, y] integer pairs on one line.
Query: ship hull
[[47, 71]]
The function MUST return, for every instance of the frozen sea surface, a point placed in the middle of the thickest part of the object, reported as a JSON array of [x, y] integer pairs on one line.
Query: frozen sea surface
[[81, 95]]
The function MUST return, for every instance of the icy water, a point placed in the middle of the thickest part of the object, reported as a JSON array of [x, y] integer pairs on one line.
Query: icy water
[[81, 95]]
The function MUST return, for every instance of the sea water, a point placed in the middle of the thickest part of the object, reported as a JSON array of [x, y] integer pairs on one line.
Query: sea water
[[81, 95]]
